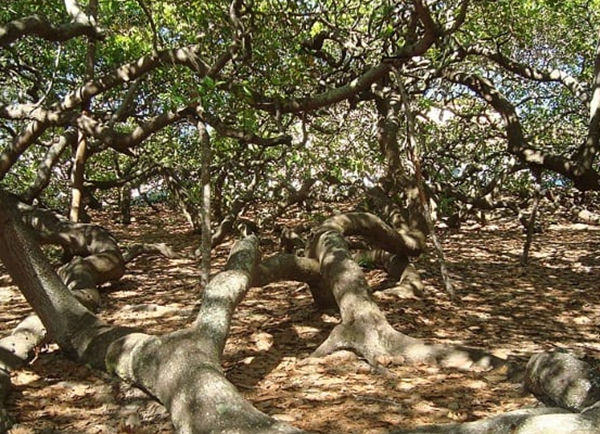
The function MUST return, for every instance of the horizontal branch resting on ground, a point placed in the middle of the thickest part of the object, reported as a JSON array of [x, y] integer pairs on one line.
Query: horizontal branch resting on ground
[[363, 326]]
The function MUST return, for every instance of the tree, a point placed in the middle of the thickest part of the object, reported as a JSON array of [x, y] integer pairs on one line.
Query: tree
[[289, 97]]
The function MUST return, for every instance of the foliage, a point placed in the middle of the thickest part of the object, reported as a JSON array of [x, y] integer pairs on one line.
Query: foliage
[[243, 62]]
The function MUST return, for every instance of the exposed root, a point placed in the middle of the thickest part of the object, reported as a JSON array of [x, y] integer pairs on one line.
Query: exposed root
[[149, 249], [364, 328]]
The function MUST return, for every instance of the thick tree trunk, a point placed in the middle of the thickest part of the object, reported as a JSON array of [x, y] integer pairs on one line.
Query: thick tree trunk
[[404, 220], [98, 260], [364, 328], [560, 379], [225, 227], [376, 231], [81, 151], [181, 369]]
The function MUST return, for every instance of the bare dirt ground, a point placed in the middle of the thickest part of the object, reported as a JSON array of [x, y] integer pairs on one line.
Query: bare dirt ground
[[507, 309]]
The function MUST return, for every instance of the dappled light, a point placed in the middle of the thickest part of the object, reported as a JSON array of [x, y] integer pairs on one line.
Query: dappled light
[[511, 311], [283, 217]]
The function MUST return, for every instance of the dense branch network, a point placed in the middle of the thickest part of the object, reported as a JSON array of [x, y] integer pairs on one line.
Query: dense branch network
[[274, 102]]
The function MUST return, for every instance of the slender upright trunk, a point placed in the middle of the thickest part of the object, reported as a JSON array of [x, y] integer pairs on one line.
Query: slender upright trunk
[[77, 175], [205, 210], [413, 151], [388, 106], [125, 204], [537, 197]]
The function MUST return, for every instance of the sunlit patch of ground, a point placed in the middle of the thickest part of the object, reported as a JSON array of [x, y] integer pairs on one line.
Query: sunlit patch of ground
[[509, 310]]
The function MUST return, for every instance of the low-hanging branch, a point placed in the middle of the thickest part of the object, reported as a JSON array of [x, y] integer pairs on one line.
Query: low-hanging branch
[[181, 369], [41, 27], [584, 176], [531, 73]]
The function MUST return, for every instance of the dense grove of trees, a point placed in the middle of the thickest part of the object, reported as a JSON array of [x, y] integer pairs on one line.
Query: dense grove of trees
[[423, 110]]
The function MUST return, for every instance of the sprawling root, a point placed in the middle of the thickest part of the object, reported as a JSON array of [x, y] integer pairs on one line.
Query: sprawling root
[[162, 249], [183, 368], [407, 243], [287, 266], [364, 327], [559, 379], [15, 352], [405, 278], [94, 258]]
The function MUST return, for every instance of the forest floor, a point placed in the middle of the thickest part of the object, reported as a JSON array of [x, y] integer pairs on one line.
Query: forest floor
[[504, 308]]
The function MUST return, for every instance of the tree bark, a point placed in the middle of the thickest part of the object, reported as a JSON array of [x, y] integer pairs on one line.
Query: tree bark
[[80, 158], [39, 26], [425, 208], [102, 261], [77, 178], [125, 204], [15, 352], [530, 227], [294, 268], [205, 209], [181, 369], [95, 254], [518, 145], [376, 231], [560, 379], [188, 209], [44, 170], [407, 281], [363, 326], [19, 145]]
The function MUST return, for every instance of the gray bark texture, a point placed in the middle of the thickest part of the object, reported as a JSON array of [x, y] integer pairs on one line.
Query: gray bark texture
[[95, 259], [568, 385], [182, 369], [364, 328], [560, 379], [543, 420]]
